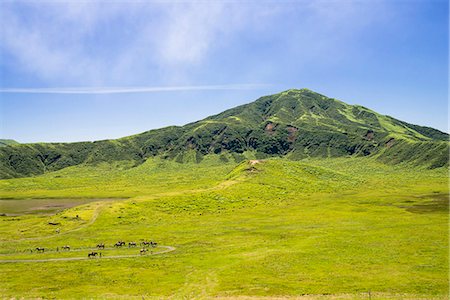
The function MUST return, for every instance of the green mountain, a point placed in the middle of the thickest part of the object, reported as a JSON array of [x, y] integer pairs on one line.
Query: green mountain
[[296, 124], [5, 142]]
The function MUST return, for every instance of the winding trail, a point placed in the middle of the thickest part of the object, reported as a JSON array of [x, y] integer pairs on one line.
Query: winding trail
[[167, 250]]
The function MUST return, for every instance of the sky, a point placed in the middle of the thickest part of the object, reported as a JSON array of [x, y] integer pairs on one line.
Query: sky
[[91, 70]]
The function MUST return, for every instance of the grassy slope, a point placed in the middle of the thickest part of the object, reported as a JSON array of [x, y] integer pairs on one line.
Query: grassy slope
[[7, 142], [117, 180], [335, 226]]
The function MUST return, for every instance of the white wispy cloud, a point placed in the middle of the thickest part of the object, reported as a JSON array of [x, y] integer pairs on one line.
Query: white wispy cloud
[[106, 43], [97, 44], [130, 90]]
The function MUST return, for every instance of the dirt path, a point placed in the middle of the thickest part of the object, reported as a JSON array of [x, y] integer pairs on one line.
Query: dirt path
[[167, 249]]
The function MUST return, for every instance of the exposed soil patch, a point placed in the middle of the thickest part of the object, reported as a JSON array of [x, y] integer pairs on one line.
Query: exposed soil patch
[[292, 133], [255, 161], [13, 207], [369, 135], [390, 143], [270, 128]]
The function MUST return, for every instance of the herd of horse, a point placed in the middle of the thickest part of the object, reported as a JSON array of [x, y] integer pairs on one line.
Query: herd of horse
[[118, 244]]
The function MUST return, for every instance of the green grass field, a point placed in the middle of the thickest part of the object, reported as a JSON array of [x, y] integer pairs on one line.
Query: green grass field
[[327, 229]]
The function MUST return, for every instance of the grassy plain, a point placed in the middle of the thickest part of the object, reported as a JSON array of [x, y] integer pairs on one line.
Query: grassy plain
[[274, 228]]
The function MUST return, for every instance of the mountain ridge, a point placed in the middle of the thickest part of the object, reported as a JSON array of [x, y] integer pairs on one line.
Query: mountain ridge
[[296, 124], [7, 142]]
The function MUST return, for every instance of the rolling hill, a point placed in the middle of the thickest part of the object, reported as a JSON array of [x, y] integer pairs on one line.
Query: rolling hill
[[295, 124]]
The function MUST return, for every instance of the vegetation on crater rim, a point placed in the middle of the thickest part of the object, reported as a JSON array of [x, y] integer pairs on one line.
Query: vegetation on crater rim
[[296, 124]]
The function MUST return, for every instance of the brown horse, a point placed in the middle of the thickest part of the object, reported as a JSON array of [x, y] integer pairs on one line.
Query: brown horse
[[143, 251]]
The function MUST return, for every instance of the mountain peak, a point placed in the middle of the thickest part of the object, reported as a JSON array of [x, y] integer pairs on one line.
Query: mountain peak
[[298, 90], [296, 124]]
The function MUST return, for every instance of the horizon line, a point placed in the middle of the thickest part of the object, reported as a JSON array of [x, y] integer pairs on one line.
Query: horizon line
[[129, 90]]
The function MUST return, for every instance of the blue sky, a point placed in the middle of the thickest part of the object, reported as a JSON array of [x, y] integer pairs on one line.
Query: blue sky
[[87, 70]]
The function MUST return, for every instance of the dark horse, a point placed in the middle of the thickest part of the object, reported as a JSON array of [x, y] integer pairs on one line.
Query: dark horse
[[92, 254], [66, 247], [151, 243], [101, 246], [143, 251], [132, 244], [119, 244], [39, 249]]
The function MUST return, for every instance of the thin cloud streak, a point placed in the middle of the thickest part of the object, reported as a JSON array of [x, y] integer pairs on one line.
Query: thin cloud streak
[[131, 90]]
